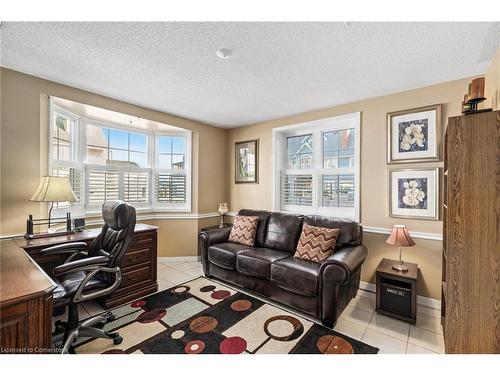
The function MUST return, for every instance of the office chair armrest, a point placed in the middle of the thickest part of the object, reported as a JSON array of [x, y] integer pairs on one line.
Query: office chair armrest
[[65, 248], [94, 294], [86, 264]]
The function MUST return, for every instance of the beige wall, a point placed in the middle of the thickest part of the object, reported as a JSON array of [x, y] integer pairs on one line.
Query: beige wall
[[374, 174], [24, 132], [492, 84]]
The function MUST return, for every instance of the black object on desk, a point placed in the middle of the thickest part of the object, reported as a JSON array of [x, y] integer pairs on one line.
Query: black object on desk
[[397, 291]]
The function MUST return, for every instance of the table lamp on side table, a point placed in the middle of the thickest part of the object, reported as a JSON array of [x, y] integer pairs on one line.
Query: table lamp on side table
[[223, 210], [400, 237]]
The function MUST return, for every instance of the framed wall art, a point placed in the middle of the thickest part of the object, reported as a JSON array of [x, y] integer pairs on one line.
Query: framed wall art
[[246, 162], [414, 193], [414, 135]]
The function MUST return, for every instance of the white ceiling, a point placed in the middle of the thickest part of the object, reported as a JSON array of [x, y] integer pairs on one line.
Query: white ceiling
[[277, 69]]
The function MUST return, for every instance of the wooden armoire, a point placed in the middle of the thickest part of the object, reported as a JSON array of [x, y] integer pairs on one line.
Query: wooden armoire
[[471, 234]]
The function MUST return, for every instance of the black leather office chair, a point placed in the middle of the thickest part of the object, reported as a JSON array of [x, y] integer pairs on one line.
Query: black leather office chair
[[92, 273]]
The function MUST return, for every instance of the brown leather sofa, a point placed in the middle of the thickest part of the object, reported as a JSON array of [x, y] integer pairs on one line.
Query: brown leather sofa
[[321, 290]]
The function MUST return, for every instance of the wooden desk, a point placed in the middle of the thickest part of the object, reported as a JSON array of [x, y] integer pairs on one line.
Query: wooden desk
[[26, 289], [25, 302]]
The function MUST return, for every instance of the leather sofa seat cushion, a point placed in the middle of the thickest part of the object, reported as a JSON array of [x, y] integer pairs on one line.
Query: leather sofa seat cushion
[[350, 231], [224, 254], [257, 262], [296, 275], [283, 231]]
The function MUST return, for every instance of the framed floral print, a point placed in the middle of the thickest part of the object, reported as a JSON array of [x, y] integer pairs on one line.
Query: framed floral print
[[246, 162], [414, 193], [414, 135]]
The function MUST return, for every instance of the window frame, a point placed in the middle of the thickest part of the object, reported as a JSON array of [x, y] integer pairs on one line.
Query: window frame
[[76, 208], [83, 208], [187, 171], [316, 128]]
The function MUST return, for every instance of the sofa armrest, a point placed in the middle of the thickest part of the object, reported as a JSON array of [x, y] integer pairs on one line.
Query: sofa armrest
[[342, 264], [214, 236], [209, 238]]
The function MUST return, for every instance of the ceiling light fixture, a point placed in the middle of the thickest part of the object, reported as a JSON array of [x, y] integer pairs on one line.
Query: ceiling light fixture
[[224, 53]]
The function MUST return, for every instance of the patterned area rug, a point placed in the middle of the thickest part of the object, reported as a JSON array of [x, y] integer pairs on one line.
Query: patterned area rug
[[202, 316]]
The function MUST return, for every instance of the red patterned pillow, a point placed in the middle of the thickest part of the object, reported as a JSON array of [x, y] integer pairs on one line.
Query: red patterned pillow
[[316, 243], [244, 230]]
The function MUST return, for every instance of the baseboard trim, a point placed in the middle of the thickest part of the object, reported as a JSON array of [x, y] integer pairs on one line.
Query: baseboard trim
[[431, 303], [179, 259]]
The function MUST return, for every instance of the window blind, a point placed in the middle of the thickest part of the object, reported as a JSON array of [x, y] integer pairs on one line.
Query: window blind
[[171, 188], [297, 189], [136, 187], [102, 186], [338, 190]]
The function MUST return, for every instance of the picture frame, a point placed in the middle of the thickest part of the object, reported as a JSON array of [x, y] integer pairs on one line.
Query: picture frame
[[415, 135], [246, 162], [414, 193]]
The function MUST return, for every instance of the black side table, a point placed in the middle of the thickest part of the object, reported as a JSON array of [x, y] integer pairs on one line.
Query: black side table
[[226, 225], [397, 291]]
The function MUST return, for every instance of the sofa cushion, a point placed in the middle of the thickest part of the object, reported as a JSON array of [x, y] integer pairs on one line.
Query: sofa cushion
[[244, 230], [224, 254], [257, 262], [350, 231], [261, 227], [283, 231], [296, 275], [316, 243]]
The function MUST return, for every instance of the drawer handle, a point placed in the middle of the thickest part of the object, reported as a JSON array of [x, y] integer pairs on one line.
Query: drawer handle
[[134, 258]]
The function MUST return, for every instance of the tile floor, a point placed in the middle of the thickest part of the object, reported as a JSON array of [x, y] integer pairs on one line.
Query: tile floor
[[359, 320]]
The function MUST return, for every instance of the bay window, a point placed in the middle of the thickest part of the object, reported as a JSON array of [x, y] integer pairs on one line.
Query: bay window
[[105, 161], [316, 167]]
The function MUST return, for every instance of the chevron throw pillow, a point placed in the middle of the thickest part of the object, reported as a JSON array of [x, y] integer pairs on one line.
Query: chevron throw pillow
[[244, 230], [316, 243]]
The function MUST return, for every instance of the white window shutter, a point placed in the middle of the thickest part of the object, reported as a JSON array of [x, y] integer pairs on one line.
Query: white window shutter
[[297, 190], [136, 187], [170, 188], [102, 186]]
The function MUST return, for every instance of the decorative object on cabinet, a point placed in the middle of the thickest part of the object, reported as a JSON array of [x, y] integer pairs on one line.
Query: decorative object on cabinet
[[31, 223], [397, 292], [400, 237], [246, 162], [414, 135], [79, 224], [474, 96], [414, 193], [223, 210], [471, 244]]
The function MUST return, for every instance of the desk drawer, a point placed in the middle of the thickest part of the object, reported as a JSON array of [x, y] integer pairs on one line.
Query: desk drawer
[[136, 275], [142, 239], [137, 256]]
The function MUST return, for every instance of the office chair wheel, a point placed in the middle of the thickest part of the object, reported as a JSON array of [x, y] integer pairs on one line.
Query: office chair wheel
[[117, 340], [110, 318]]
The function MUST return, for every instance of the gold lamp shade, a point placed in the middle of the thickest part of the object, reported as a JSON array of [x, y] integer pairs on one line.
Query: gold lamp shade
[[54, 189]]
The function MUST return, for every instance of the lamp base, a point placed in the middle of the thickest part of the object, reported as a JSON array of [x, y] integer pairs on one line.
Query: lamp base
[[400, 267]]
